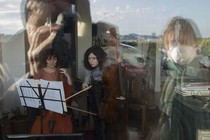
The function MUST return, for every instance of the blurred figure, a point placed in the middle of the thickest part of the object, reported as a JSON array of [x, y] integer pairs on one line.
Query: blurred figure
[[114, 50], [180, 44], [113, 76], [112, 41], [44, 21]]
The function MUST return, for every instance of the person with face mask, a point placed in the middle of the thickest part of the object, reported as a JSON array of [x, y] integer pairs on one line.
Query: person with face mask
[[180, 45]]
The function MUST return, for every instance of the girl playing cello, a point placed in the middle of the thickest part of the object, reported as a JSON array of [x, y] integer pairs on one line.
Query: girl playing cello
[[61, 123]]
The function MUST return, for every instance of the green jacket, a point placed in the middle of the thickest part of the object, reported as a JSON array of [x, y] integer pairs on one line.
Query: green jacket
[[177, 74], [174, 72]]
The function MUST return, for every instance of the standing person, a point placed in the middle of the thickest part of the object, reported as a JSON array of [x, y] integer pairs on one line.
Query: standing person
[[113, 39], [113, 50], [50, 71], [180, 41], [94, 60], [114, 78]]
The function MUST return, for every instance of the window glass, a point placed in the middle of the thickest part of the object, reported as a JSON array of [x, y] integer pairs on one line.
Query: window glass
[[149, 79]]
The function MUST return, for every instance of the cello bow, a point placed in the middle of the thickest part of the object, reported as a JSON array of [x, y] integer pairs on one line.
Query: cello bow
[[81, 110], [77, 109], [85, 89]]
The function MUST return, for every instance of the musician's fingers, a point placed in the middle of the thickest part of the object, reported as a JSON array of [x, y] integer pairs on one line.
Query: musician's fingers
[[64, 71], [84, 85], [119, 59]]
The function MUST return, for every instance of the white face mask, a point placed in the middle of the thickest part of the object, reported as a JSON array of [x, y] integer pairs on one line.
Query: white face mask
[[182, 54]]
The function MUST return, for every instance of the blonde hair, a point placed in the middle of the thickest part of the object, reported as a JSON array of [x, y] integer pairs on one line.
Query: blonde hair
[[186, 33]]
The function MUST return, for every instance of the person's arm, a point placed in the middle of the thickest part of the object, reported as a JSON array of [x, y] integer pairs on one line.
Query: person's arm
[[40, 37], [87, 79]]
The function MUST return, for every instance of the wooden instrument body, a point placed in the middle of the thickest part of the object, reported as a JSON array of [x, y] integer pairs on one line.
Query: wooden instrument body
[[111, 108], [62, 124]]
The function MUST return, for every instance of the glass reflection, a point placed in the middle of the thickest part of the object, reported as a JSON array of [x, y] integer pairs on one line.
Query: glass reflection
[[159, 54]]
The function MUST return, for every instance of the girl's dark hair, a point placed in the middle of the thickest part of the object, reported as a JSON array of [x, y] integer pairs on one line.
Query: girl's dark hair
[[48, 53], [98, 52]]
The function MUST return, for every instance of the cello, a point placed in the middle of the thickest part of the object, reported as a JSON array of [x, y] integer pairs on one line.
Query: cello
[[114, 103], [54, 123]]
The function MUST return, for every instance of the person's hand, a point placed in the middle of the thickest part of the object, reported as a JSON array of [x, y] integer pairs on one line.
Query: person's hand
[[119, 59], [67, 74], [64, 71], [84, 85]]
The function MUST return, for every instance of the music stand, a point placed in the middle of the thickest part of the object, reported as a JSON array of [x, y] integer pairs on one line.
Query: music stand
[[33, 94]]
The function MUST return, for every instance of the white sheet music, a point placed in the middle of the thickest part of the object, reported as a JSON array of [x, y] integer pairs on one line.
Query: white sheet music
[[54, 94], [28, 96]]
